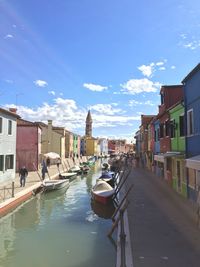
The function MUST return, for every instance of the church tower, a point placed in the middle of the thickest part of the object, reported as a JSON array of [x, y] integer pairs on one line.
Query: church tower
[[88, 127]]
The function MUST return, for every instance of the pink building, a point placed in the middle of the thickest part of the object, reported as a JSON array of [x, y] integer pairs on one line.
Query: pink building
[[28, 148]]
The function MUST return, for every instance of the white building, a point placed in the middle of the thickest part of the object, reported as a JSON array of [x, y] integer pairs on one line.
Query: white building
[[103, 146], [8, 122]]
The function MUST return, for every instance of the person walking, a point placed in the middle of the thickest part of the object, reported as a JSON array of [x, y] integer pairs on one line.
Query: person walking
[[44, 169], [23, 173]]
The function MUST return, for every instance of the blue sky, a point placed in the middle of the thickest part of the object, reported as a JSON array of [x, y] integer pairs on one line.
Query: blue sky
[[60, 58]]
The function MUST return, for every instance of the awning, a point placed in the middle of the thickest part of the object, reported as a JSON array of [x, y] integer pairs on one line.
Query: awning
[[193, 163], [172, 154], [52, 155], [159, 158]]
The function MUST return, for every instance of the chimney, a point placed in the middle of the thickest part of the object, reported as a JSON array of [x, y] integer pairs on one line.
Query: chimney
[[13, 110]]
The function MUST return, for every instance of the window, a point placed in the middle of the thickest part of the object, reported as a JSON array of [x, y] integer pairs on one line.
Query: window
[[181, 125], [162, 98], [1, 125], [172, 128], [161, 130], [190, 124], [167, 128], [1, 163], [9, 162], [9, 127]]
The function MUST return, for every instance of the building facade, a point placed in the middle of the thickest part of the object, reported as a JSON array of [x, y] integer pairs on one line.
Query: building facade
[[8, 133]]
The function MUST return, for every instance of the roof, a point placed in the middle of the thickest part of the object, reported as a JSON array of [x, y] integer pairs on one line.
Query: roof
[[22, 122], [191, 73], [7, 112], [193, 163]]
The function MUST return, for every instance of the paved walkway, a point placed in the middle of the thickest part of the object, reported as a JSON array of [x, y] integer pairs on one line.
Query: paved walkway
[[162, 224]]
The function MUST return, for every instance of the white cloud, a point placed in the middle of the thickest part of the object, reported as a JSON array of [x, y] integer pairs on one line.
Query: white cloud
[[162, 68], [95, 87], [137, 86], [14, 26], [147, 70], [106, 109], [8, 36], [173, 67], [189, 42], [40, 83], [133, 102], [149, 103], [159, 63], [136, 103], [66, 113], [51, 92]]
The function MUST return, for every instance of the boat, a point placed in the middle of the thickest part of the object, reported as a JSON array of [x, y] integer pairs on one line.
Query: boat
[[108, 177], [103, 211], [75, 169], [50, 185], [68, 175], [105, 166], [102, 192]]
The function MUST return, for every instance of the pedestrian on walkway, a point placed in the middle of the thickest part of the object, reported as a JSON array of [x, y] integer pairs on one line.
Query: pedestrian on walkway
[[44, 169], [48, 162], [23, 173]]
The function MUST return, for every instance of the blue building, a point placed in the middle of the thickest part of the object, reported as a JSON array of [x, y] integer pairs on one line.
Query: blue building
[[192, 110]]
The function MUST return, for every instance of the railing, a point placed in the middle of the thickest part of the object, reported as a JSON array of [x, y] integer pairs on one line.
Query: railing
[[118, 218], [7, 192]]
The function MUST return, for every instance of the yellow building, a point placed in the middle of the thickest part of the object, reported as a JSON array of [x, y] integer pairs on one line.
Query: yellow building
[[52, 140], [91, 146]]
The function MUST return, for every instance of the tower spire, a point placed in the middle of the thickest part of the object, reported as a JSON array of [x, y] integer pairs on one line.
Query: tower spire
[[88, 127]]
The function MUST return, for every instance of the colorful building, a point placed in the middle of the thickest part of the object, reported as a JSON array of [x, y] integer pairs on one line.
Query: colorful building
[[52, 140], [192, 113], [28, 149], [177, 134], [103, 142], [8, 133], [145, 154], [69, 144], [170, 95]]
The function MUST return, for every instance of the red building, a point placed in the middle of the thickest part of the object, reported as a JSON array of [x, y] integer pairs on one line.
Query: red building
[[28, 147], [116, 146], [170, 95]]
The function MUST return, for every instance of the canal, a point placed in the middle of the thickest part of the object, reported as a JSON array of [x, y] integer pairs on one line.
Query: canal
[[58, 229]]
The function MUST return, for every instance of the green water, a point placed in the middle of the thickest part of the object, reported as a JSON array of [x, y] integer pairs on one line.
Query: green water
[[57, 229]]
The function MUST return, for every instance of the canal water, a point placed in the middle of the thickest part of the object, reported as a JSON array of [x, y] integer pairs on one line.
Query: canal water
[[58, 229]]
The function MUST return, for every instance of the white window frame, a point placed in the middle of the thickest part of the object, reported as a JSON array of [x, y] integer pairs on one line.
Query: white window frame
[[189, 133], [11, 127]]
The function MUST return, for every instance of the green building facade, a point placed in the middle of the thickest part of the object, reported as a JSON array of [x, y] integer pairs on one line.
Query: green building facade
[[177, 134]]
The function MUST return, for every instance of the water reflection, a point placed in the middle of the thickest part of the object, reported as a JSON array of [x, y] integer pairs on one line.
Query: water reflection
[[57, 229], [27, 216]]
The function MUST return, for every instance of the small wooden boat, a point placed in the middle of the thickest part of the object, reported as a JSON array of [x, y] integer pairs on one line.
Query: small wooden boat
[[50, 185], [103, 211], [68, 175], [102, 192], [84, 168], [75, 168]]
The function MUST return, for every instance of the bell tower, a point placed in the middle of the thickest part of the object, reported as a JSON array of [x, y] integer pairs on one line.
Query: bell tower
[[88, 127]]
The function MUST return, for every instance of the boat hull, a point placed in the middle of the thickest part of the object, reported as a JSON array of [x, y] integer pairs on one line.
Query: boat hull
[[55, 185], [102, 199]]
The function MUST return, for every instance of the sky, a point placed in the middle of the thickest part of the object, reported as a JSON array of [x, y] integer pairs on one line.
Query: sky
[[60, 58]]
